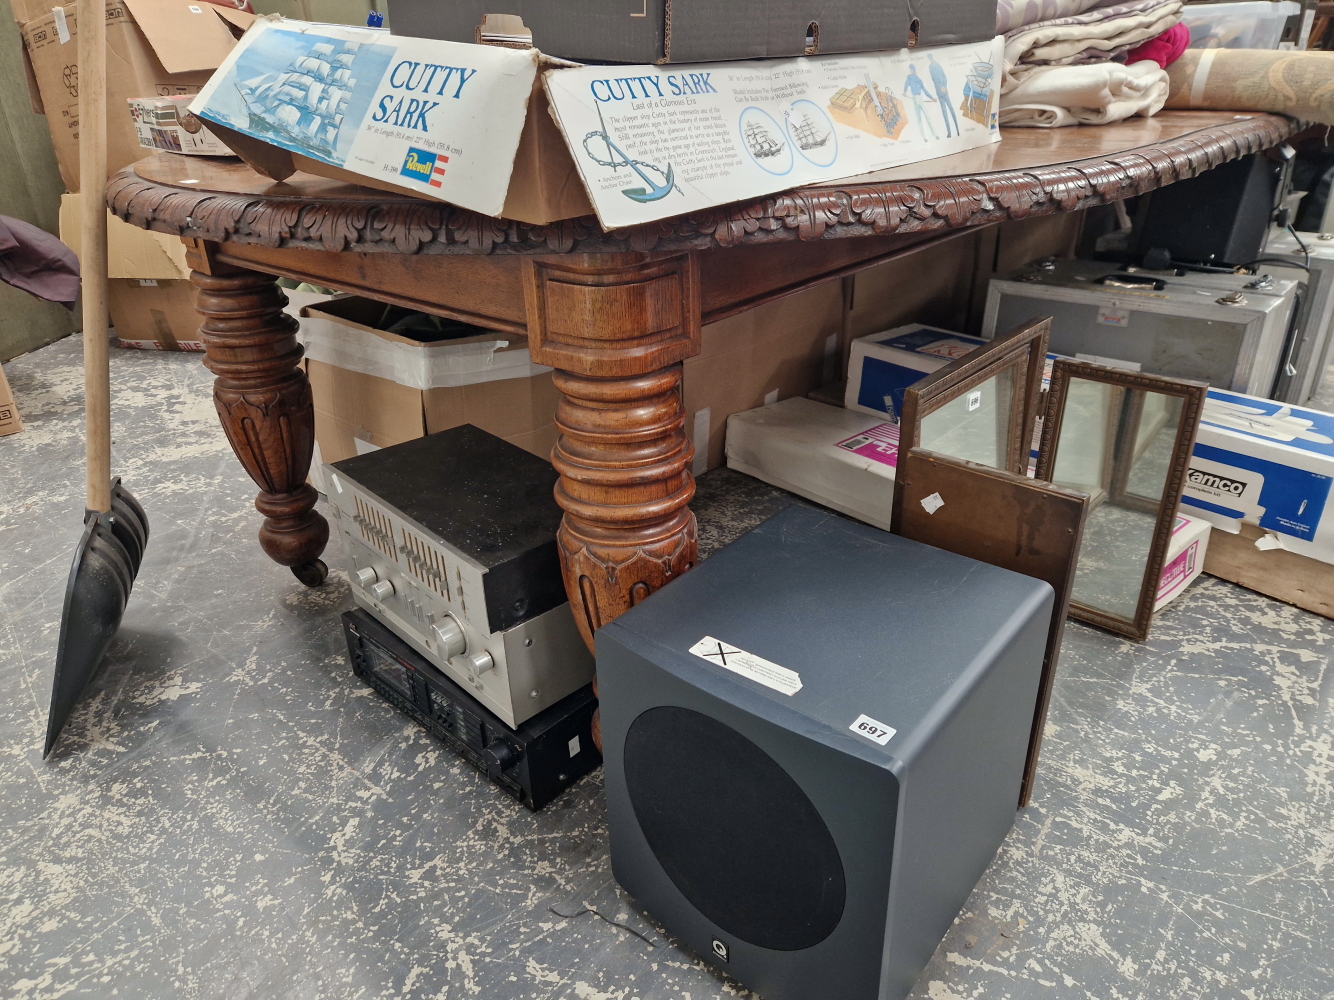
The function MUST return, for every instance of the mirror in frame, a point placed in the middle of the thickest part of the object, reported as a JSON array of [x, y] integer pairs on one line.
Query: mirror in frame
[[1124, 438], [982, 407]]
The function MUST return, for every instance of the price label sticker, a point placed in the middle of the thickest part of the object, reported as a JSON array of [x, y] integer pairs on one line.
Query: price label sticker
[[876, 732]]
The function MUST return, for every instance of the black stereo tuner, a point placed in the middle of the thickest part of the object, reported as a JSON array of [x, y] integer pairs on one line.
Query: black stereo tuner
[[534, 763]]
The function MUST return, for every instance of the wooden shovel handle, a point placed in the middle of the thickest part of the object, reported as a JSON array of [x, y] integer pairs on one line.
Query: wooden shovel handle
[[92, 30]]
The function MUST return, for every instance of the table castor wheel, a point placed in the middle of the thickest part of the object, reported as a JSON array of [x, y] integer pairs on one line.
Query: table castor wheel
[[312, 574]]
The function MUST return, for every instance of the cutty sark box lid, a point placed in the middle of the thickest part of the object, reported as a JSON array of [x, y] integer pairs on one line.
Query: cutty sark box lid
[[506, 131]]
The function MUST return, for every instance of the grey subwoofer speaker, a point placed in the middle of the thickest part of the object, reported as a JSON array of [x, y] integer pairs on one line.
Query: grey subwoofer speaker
[[813, 746]]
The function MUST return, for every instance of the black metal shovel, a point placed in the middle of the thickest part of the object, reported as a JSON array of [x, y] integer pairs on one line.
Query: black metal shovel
[[115, 529]]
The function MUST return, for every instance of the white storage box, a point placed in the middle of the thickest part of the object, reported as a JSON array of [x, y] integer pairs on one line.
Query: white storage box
[[1255, 24], [1184, 560], [1268, 464], [166, 123], [882, 365], [837, 457]]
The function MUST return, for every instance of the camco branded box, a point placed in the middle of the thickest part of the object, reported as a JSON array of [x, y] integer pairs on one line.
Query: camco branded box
[[154, 48], [1266, 464], [1184, 560], [681, 31], [166, 123], [834, 456], [882, 365]]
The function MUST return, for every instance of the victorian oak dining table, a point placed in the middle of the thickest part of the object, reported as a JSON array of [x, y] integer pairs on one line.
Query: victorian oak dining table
[[614, 313]]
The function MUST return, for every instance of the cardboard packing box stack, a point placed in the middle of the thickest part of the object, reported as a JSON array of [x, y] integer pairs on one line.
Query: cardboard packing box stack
[[155, 49]]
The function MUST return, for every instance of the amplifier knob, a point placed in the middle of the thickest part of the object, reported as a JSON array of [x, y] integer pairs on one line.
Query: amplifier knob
[[499, 757], [382, 591], [480, 662], [449, 634], [366, 576]]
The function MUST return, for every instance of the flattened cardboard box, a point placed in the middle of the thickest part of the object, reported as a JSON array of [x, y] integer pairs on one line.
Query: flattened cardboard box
[[154, 48], [153, 315], [683, 31], [443, 120]]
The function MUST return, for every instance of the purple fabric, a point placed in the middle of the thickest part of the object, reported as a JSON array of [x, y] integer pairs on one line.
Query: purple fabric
[[35, 261], [1165, 49], [1012, 14]]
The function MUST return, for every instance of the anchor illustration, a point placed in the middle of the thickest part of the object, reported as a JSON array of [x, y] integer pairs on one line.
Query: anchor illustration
[[653, 191]]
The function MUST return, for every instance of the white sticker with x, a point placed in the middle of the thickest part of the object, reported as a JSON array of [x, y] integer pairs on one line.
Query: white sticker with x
[[758, 669]]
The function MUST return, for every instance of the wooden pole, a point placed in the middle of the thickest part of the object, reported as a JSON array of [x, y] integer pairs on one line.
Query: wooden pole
[[91, 27]]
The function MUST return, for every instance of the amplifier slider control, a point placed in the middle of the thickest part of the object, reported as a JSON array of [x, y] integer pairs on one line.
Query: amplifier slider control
[[366, 576], [382, 591], [449, 633]]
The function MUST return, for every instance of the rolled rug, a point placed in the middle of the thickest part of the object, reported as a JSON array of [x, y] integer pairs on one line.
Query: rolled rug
[[1091, 94], [1300, 84]]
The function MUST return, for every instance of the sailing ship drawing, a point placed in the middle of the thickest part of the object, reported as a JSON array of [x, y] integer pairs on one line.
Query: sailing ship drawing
[[760, 142], [304, 103], [807, 133]]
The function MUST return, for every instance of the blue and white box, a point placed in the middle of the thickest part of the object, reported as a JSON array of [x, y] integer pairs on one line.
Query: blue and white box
[[883, 365], [1266, 463]]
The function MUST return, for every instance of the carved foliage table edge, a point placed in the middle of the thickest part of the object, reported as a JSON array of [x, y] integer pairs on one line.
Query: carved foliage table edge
[[406, 225]]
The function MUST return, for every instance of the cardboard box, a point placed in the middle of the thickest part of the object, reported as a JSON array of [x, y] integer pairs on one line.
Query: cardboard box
[[131, 252], [774, 351], [155, 315], [373, 388], [322, 11], [1251, 560], [1187, 550], [10, 421], [832, 455], [882, 365], [444, 120], [154, 48], [682, 31], [166, 123], [1266, 464]]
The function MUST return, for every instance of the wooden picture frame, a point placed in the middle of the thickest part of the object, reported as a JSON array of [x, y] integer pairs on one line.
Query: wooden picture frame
[[1024, 347], [1165, 507], [1006, 520]]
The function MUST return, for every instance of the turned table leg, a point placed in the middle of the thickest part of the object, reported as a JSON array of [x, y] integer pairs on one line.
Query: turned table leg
[[264, 402], [616, 327]]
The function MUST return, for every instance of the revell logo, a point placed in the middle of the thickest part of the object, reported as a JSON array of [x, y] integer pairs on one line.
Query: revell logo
[[423, 166], [418, 165]]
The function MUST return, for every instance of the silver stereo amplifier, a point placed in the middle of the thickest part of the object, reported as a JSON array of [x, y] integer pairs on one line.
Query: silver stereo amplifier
[[1228, 330], [1308, 354], [451, 543]]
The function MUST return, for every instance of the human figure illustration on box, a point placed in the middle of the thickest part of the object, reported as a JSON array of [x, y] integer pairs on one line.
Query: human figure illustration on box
[[942, 83], [914, 88]]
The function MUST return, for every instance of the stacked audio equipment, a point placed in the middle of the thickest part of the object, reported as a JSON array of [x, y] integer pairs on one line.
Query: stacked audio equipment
[[451, 542], [534, 763], [814, 743]]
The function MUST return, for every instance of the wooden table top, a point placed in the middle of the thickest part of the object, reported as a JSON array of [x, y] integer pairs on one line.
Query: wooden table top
[[1030, 172]]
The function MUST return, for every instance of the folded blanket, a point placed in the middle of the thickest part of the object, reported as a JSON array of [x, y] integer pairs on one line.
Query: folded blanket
[[1091, 94], [1300, 84], [1093, 36], [1011, 14]]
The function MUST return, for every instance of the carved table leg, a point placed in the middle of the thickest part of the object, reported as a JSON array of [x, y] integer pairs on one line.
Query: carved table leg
[[617, 327], [264, 402]]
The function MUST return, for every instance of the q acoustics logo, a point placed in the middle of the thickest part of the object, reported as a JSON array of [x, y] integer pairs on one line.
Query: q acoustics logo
[[721, 950], [1211, 481]]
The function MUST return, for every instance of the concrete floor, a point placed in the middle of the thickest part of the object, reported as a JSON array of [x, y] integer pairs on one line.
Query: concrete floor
[[233, 815]]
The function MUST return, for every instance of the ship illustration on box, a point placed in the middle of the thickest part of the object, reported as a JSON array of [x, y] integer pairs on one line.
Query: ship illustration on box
[[978, 95], [304, 104], [870, 108], [807, 133], [760, 142]]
